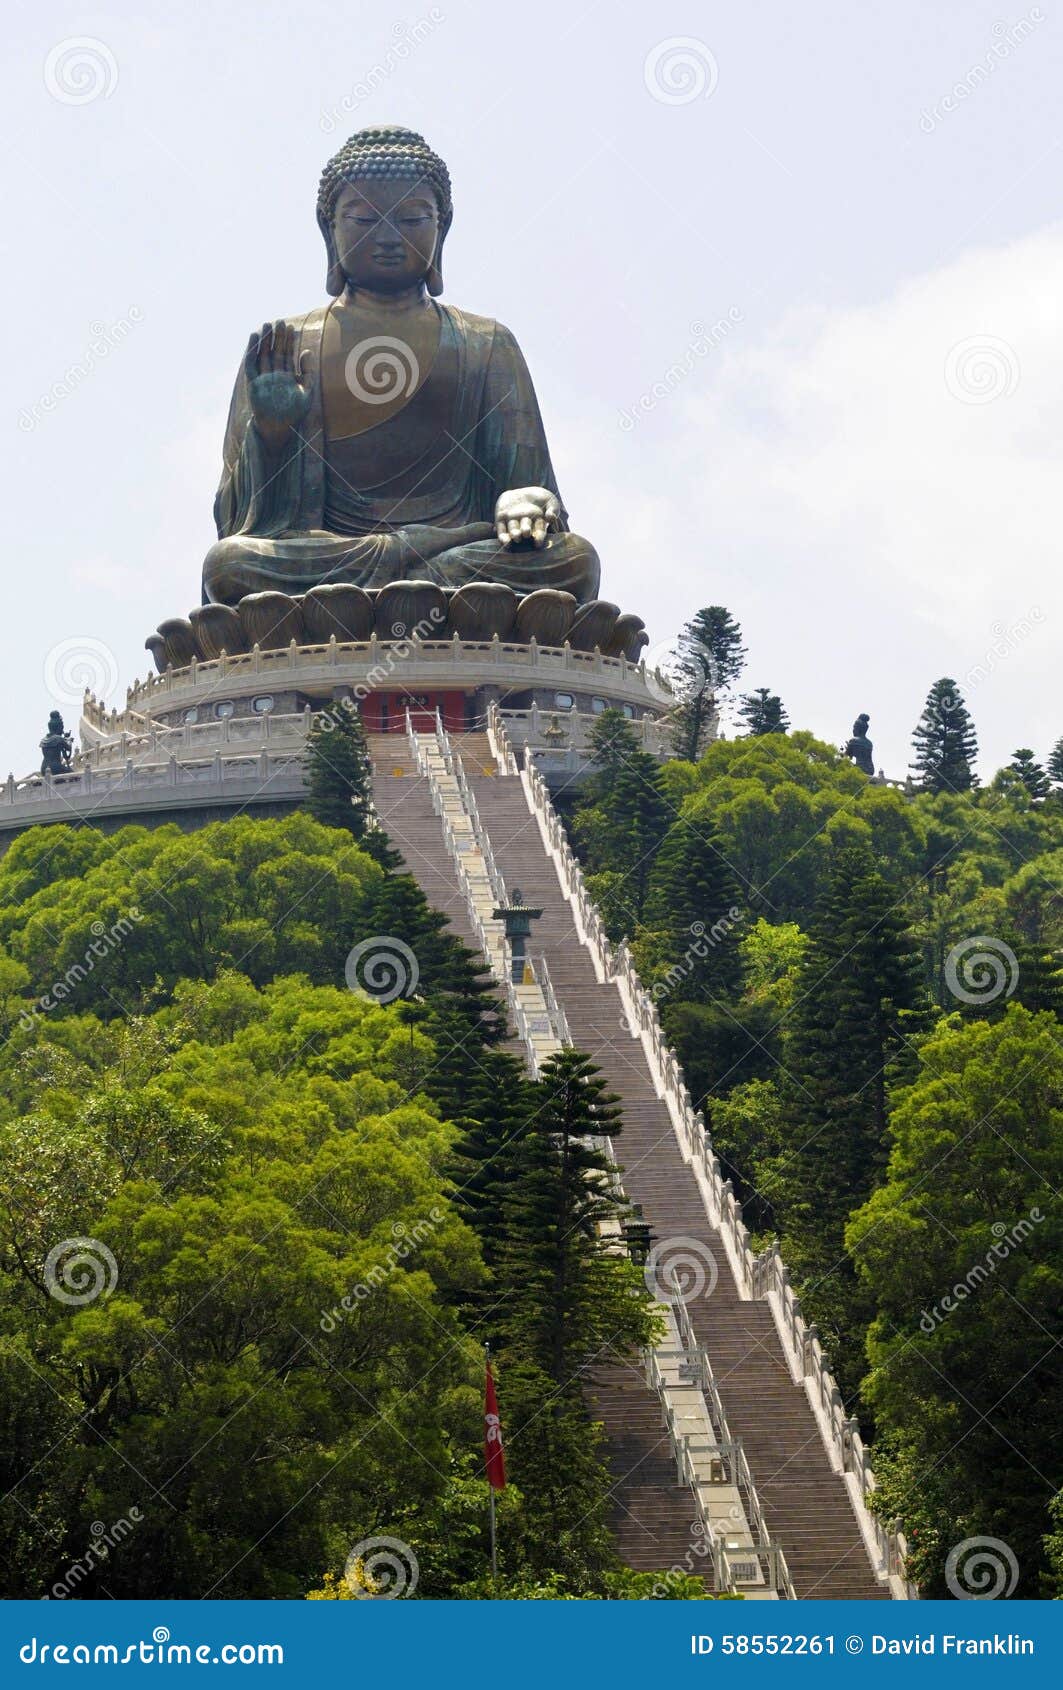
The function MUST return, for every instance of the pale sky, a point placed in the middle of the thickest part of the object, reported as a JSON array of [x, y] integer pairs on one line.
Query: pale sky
[[788, 280]]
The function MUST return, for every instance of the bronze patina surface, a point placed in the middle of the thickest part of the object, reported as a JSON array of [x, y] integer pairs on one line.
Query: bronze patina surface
[[385, 436]]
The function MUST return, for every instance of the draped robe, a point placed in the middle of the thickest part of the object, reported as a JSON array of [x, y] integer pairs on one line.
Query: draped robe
[[354, 509]]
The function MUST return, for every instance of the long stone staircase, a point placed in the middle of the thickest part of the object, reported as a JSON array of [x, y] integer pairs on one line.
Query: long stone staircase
[[804, 1500]]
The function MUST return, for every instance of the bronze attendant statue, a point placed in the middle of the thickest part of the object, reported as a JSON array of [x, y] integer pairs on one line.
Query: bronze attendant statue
[[386, 436]]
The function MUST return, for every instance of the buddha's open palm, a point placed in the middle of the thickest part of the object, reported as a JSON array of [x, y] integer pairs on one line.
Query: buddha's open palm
[[525, 515], [278, 393]]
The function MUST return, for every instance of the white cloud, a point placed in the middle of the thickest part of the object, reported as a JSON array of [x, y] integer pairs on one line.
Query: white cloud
[[877, 493]]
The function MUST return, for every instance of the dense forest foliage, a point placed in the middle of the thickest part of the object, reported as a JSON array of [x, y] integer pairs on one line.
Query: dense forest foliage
[[256, 1227], [863, 983]]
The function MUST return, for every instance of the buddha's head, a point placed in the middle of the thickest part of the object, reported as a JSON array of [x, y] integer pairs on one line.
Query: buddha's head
[[384, 209]]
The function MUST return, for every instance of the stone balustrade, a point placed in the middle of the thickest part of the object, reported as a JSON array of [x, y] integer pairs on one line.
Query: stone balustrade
[[413, 664], [759, 1276]]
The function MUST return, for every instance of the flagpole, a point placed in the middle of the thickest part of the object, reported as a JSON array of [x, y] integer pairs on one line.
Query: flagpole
[[491, 1494]]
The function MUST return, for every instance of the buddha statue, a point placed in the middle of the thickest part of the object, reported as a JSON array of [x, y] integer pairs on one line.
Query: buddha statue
[[859, 747], [385, 436]]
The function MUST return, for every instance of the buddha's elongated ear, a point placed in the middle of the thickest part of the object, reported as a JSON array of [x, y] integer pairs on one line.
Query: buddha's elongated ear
[[335, 280], [434, 278]]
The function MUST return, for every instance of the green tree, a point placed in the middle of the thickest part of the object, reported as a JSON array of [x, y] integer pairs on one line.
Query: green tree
[[694, 913], [858, 1000], [959, 1254], [1030, 772], [621, 822], [708, 659], [1054, 765], [944, 741], [763, 712], [566, 1300], [339, 773]]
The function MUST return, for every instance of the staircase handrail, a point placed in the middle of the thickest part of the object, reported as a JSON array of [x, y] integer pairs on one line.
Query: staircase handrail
[[762, 1276], [498, 740]]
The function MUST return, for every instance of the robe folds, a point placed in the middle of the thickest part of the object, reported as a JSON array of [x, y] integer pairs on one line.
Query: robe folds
[[355, 509]]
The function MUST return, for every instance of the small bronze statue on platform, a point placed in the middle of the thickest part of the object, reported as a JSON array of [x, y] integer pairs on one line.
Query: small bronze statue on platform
[[860, 748], [57, 746]]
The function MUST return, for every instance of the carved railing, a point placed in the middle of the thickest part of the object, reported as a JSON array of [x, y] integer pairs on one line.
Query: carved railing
[[381, 659], [762, 1276], [70, 791], [719, 1460], [474, 843]]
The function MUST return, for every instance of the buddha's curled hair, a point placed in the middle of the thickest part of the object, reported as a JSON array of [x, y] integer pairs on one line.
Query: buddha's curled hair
[[385, 152]]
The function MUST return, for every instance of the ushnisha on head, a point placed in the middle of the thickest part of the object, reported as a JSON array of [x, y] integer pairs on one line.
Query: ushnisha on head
[[384, 209]]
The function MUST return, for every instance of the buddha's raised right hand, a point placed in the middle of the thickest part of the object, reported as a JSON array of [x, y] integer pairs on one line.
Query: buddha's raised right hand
[[278, 393]]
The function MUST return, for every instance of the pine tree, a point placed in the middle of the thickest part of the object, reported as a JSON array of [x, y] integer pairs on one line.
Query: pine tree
[[439, 964], [858, 1001], [566, 1300], [339, 773], [694, 902], [763, 712], [945, 742], [1055, 763], [622, 822], [1032, 775], [709, 657]]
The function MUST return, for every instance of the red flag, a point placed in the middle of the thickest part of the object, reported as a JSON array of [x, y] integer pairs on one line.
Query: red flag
[[494, 1458]]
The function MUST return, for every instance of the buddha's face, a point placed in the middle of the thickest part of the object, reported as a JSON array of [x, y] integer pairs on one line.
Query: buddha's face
[[385, 232]]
